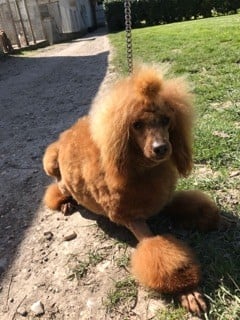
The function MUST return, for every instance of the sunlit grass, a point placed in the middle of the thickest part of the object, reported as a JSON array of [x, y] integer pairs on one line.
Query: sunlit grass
[[207, 52]]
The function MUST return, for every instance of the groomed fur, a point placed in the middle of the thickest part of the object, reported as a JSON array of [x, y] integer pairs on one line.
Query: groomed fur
[[166, 264], [123, 161], [194, 210], [53, 197], [50, 161], [111, 115], [177, 94]]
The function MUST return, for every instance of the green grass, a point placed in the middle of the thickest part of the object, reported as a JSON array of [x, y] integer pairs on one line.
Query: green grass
[[207, 52], [123, 294], [81, 268], [170, 313]]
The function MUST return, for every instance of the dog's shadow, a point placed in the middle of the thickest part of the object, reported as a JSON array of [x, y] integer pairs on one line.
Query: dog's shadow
[[112, 230], [217, 251]]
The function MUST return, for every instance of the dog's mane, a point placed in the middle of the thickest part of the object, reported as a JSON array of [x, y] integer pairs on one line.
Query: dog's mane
[[112, 112]]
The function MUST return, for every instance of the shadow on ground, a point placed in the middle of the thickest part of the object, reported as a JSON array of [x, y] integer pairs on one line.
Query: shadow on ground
[[40, 97], [217, 251]]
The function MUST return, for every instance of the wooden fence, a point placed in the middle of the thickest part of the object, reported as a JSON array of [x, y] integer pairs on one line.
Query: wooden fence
[[21, 21]]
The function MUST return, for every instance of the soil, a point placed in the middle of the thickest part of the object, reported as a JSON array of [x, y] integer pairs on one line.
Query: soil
[[69, 263]]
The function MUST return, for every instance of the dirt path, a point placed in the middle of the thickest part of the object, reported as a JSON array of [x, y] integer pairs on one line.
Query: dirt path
[[41, 94]]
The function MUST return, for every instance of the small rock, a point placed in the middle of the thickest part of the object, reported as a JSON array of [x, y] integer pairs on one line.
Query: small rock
[[37, 308], [22, 311], [48, 235], [234, 173], [70, 236], [90, 303], [103, 266]]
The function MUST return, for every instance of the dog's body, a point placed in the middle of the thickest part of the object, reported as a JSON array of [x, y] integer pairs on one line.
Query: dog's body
[[110, 193], [123, 161], [5, 42]]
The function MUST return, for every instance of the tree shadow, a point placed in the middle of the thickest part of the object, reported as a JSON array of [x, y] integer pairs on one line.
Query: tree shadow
[[40, 97]]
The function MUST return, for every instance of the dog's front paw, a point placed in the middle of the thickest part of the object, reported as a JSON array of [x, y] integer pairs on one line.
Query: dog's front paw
[[193, 301], [69, 207]]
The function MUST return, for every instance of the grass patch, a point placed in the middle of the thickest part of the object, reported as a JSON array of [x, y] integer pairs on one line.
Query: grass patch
[[123, 295], [207, 51], [123, 261], [170, 313], [198, 48], [81, 267]]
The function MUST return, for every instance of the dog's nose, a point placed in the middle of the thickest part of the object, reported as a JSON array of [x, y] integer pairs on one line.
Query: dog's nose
[[160, 149]]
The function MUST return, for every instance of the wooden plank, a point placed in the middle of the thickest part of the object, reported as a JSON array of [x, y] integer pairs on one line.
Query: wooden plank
[[22, 23], [29, 20], [13, 24]]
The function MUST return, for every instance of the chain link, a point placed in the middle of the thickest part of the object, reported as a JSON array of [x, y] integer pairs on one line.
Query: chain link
[[128, 28]]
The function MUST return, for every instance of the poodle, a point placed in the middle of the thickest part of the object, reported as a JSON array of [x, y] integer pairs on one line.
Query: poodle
[[123, 161]]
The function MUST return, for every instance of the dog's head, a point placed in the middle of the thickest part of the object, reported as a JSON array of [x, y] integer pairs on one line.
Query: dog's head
[[147, 118], [149, 132]]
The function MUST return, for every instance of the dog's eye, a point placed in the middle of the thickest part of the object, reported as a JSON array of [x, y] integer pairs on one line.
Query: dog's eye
[[138, 125], [165, 120]]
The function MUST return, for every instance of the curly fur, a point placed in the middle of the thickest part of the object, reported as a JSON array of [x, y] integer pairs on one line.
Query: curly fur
[[123, 161], [111, 131], [166, 264]]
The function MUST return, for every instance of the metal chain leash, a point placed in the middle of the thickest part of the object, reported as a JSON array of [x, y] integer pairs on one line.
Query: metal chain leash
[[128, 28]]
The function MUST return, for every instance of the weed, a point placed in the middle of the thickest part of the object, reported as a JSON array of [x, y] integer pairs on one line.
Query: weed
[[123, 293], [170, 313], [123, 260], [81, 268]]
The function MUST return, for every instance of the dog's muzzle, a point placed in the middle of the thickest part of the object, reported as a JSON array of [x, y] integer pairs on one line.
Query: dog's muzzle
[[160, 150]]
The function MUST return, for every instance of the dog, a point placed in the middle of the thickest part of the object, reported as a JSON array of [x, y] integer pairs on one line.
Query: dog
[[5, 42], [123, 161]]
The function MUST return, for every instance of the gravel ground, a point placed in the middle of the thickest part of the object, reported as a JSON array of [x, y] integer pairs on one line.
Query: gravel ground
[[42, 275], [43, 93]]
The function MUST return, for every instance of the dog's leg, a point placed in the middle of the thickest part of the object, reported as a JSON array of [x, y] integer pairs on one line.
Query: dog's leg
[[140, 229], [166, 264], [50, 161], [194, 210], [58, 198], [54, 198]]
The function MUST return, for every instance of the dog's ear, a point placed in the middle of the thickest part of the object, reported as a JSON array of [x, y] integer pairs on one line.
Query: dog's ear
[[110, 128], [178, 97]]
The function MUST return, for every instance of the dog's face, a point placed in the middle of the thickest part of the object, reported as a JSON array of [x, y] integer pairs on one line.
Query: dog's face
[[149, 131], [144, 120]]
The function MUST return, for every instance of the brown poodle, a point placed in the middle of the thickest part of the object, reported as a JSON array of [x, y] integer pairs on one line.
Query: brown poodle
[[123, 161]]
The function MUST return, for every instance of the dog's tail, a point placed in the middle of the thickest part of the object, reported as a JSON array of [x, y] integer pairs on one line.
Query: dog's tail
[[165, 264], [54, 198], [50, 161]]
